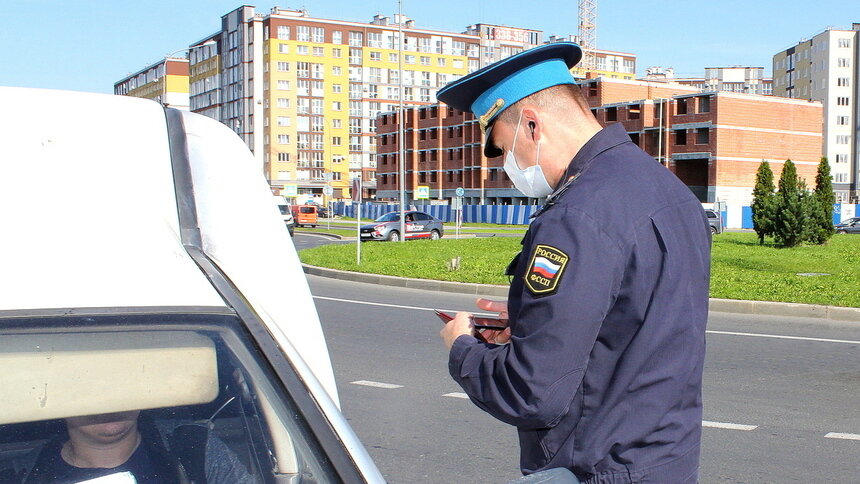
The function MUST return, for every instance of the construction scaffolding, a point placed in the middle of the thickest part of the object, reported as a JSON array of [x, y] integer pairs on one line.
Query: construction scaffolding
[[588, 33]]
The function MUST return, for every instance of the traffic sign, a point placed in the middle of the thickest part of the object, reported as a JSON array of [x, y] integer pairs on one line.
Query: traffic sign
[[422, 192], [460, 192], [328, 190], [356, 190], [291, 190]]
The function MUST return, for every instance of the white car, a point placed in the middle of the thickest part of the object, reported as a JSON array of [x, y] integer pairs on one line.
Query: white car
[[184, 314]]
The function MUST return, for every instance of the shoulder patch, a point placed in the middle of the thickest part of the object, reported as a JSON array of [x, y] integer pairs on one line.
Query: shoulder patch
[[545, 269]]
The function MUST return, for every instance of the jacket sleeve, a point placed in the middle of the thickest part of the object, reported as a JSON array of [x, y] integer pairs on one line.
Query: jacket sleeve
[[531, 382]]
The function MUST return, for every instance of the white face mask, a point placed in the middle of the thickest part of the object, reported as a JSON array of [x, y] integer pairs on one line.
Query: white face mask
[[531, 181]]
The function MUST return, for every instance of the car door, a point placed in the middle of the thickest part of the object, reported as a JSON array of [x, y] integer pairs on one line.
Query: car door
[[416, 225]]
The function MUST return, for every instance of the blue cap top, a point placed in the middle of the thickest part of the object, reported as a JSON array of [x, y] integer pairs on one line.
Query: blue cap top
[[489, 91]]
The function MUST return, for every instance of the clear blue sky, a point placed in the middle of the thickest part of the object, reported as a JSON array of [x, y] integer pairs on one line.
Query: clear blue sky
[[88, 45]]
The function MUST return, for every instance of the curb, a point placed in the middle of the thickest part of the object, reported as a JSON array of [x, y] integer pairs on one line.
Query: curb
[[762, 308]]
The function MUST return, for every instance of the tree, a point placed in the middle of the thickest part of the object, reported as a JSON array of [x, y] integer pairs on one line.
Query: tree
[[821, 208], [791, 222], [764, 202]]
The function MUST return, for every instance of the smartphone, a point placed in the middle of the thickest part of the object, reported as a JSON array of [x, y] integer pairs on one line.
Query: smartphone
[[478, 323]]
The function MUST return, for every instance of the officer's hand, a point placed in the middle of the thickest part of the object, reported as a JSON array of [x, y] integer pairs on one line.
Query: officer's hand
[[501, 307], [455, 328]]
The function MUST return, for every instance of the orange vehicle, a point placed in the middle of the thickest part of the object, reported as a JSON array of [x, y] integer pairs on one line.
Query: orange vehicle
[[305, 215]]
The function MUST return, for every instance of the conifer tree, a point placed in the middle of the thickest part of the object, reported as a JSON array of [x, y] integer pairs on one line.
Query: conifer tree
[[791, 224], [821, 216], [764, 202]]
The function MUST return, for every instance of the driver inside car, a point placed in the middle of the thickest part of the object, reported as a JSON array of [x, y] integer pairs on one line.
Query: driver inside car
[[131, 443]]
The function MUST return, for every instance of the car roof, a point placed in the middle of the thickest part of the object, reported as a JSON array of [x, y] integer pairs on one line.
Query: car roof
[[92, 203], [97, 219]]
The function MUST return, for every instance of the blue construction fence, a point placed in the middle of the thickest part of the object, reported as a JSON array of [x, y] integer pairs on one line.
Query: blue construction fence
[[840, 212], [519, 214], [494, 214]]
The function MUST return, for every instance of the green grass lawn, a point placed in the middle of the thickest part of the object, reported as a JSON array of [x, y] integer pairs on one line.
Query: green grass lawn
[[741, 269]]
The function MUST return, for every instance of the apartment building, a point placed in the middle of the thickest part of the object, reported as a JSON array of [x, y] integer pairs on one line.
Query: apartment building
[[713, 141], [304, 92], [742, 79], [826, 68], [165, 82]]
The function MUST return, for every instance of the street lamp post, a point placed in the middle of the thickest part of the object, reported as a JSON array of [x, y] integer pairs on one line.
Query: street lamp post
[[401, 152]]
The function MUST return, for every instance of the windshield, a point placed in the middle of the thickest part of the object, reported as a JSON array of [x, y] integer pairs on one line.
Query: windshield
[[191, 389], [389, 217], [307, 209]]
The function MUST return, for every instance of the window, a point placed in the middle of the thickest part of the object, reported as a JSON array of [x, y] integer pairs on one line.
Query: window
[[354, 56], [843, 62], [283, 120], [283, 49], [337, 37], [316, 106], [337, 53], [283, 66], [841, 158], [842, 120], [354, 126], [440, 61], [317, 142], [337, 88], [634, 111], [681, 106], [843, 82], [355, 39], [680, 136], [458, 63], [355, 143], [283, 85], [283, 102], [336, 140], [425, 61], [283, 139], [317, 123], [424, 95], [425, 78], [410, 59], [392, 57], [303, 69], [375, 74], [842, 101], [702, 136], [303, 87], [302, 50], [376, 56], [844, 43], [303, 142], [283, 156], [705, 104], [303, 105], [374, 39], [355, 108], [840, 178], [459, 48], [283, 32], [612, 114], [336, 123], [319, 35], [303, 33], [318, 51], [317, 71], [843, 139], [336, 71]]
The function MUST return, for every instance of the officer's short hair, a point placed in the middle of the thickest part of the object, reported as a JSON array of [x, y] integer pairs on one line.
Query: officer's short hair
[[555, 98]]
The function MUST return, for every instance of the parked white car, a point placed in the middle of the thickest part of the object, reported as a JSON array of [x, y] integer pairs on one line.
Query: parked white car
[[145, 271]]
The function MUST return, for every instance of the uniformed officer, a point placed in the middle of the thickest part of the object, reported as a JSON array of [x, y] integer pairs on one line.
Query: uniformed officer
[[602, 370]]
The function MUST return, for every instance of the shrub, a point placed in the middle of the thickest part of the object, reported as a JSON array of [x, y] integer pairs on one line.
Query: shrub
[[764, 202]]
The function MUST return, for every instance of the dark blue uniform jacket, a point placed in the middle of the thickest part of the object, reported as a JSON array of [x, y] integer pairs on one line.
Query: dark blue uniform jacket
[[608, 304]]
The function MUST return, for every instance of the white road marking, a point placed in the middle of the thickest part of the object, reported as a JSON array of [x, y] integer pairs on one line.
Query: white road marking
[[838, 435], [729, 426], [398, 306], [457, 395], [376, 384], [778, 336], [726, 333]]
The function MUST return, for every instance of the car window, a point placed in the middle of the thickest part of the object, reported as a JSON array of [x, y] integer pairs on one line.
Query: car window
[[174, 380], [389, 217], [710, 214], [422, 216], [307, 209]]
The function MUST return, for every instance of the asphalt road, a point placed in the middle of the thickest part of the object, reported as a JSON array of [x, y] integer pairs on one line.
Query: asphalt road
[[782, 395]]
